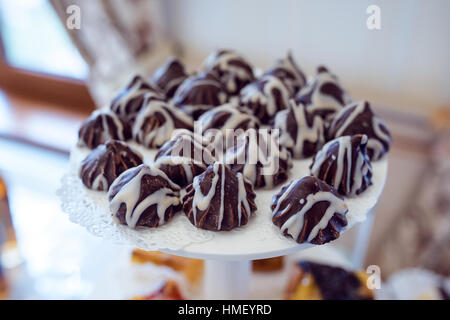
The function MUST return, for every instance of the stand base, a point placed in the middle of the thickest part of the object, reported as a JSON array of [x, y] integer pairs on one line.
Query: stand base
[[227, 280]]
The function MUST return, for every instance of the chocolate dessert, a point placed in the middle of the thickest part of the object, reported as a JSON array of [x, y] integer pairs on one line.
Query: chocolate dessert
[[102, 125], [144, 196], [358, 117], [219, 199], [106, 162], [309, 210], [343, 164]]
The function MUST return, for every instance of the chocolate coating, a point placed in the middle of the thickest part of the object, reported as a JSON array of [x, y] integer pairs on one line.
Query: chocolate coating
[[169, 76], [233, 71], [182, 158], [101, 126], [260, 158], [301, 132], [144, 196], [343, 164], [106, 162], [224, 123], [323, 96], [358, 117], [156, 121], [265, 97], [129, 101], [219, 199], [309, 210], [288, 71], [198, 94]]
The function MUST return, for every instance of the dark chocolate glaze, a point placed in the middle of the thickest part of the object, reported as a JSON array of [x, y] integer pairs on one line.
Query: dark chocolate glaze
[[169, 76], [198, 94], [233, 71], [106, 163], [294, 196], [129, 101], [148, 184], [358, 118], [343, 164], [182, 158], [101, 126], [225, 199]]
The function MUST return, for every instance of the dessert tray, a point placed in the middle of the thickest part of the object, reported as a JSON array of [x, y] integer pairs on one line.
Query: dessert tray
[[260, 238]]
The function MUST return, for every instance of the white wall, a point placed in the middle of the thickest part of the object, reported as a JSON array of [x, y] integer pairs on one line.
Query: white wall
[[406, 63]]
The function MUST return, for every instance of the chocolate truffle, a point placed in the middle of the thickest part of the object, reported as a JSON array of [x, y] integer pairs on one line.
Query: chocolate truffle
[[225, 122], [343, 164], [287, 71], [144, 196], [265, 97], [101, 126], [156, 121], [316, 281], [358, 117], [219, 199], [169, 76], [198, 94], [182, 158], [233, 71], [129, 101], [309, 210], [323, 96], [106, 162], [260, 158], [301, 132]]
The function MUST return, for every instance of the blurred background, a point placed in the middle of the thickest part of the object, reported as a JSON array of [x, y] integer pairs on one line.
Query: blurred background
[[53, 75]]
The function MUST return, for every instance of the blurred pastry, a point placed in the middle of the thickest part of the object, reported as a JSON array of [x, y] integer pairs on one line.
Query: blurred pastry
[[156, 122], [268, 265], [232, 70], [324, 95], [129, 101], [169, 76], [316, 281], [169, 290], [288, 71], [101, 126], [200, 93], [192, 269]]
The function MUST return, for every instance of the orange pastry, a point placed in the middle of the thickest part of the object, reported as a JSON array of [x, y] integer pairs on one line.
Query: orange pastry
[[268, 265], [192, 269]]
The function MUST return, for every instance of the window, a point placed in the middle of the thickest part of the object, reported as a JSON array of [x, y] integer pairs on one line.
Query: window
[[34, 39]]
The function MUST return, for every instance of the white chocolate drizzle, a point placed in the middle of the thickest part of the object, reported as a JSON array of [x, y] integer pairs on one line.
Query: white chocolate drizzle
[[377, 143], [355, 173], [221, 60], [294, 225], [305, 132], [130, 192], [251, 94], [163, 132], [249, 153]]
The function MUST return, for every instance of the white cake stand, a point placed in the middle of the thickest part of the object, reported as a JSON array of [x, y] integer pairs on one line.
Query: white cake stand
[[228, 255]]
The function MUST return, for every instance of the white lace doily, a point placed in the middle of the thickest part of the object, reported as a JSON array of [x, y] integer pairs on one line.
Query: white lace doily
[[258, 239]]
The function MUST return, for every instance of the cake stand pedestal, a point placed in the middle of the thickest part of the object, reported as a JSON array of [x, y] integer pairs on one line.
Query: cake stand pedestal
[[226, 280]]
